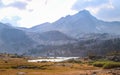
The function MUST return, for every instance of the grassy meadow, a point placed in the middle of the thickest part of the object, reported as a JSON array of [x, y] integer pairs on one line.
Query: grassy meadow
[[20, 66]]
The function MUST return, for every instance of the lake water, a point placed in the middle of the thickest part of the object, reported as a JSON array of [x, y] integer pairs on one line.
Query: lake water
[[52, 59]]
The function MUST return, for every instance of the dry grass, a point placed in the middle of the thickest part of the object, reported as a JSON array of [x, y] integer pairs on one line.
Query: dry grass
[[10, 67]]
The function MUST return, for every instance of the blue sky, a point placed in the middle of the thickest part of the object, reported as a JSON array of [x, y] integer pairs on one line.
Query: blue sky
[[27, 13]]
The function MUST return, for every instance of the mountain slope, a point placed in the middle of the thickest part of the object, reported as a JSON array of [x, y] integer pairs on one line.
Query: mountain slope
[[38, 27], [13, 40], [82, 22], [51, 38], [54, 36], [102, 45], [73, 35]]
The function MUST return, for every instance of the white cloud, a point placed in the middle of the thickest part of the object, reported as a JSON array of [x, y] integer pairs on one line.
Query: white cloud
[[37, 11], [53, 10], [7, 2], [97, 9], [108, 10]]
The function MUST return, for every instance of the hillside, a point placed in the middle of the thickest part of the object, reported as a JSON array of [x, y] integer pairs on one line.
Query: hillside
[[73, 35], [13, 40], [82, 22]]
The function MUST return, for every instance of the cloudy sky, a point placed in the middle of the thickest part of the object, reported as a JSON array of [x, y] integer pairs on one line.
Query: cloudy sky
[[27, 13]]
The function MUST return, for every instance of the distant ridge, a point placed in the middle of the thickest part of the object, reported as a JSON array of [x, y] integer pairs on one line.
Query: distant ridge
[[73, 35], [82, 22]]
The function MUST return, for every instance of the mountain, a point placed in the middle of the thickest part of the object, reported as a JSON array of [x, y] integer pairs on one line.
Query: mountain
[[43, 27], [19, 40], [82, 48], [73, 35], [82, 22], [13, 40], [51, 38], [55, 36], [2, 26]]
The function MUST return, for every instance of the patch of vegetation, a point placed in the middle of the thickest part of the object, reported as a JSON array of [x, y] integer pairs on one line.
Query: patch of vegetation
[[73, 61], [21, 63], [106, 64], [28, 67], [99, 64], [111, 65]]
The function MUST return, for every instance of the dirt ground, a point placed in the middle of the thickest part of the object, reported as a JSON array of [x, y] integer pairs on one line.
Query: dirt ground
[[59, 72]]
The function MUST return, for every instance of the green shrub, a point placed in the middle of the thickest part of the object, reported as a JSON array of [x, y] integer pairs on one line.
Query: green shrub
[[99, 64], [106, 64], [111, 65]]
